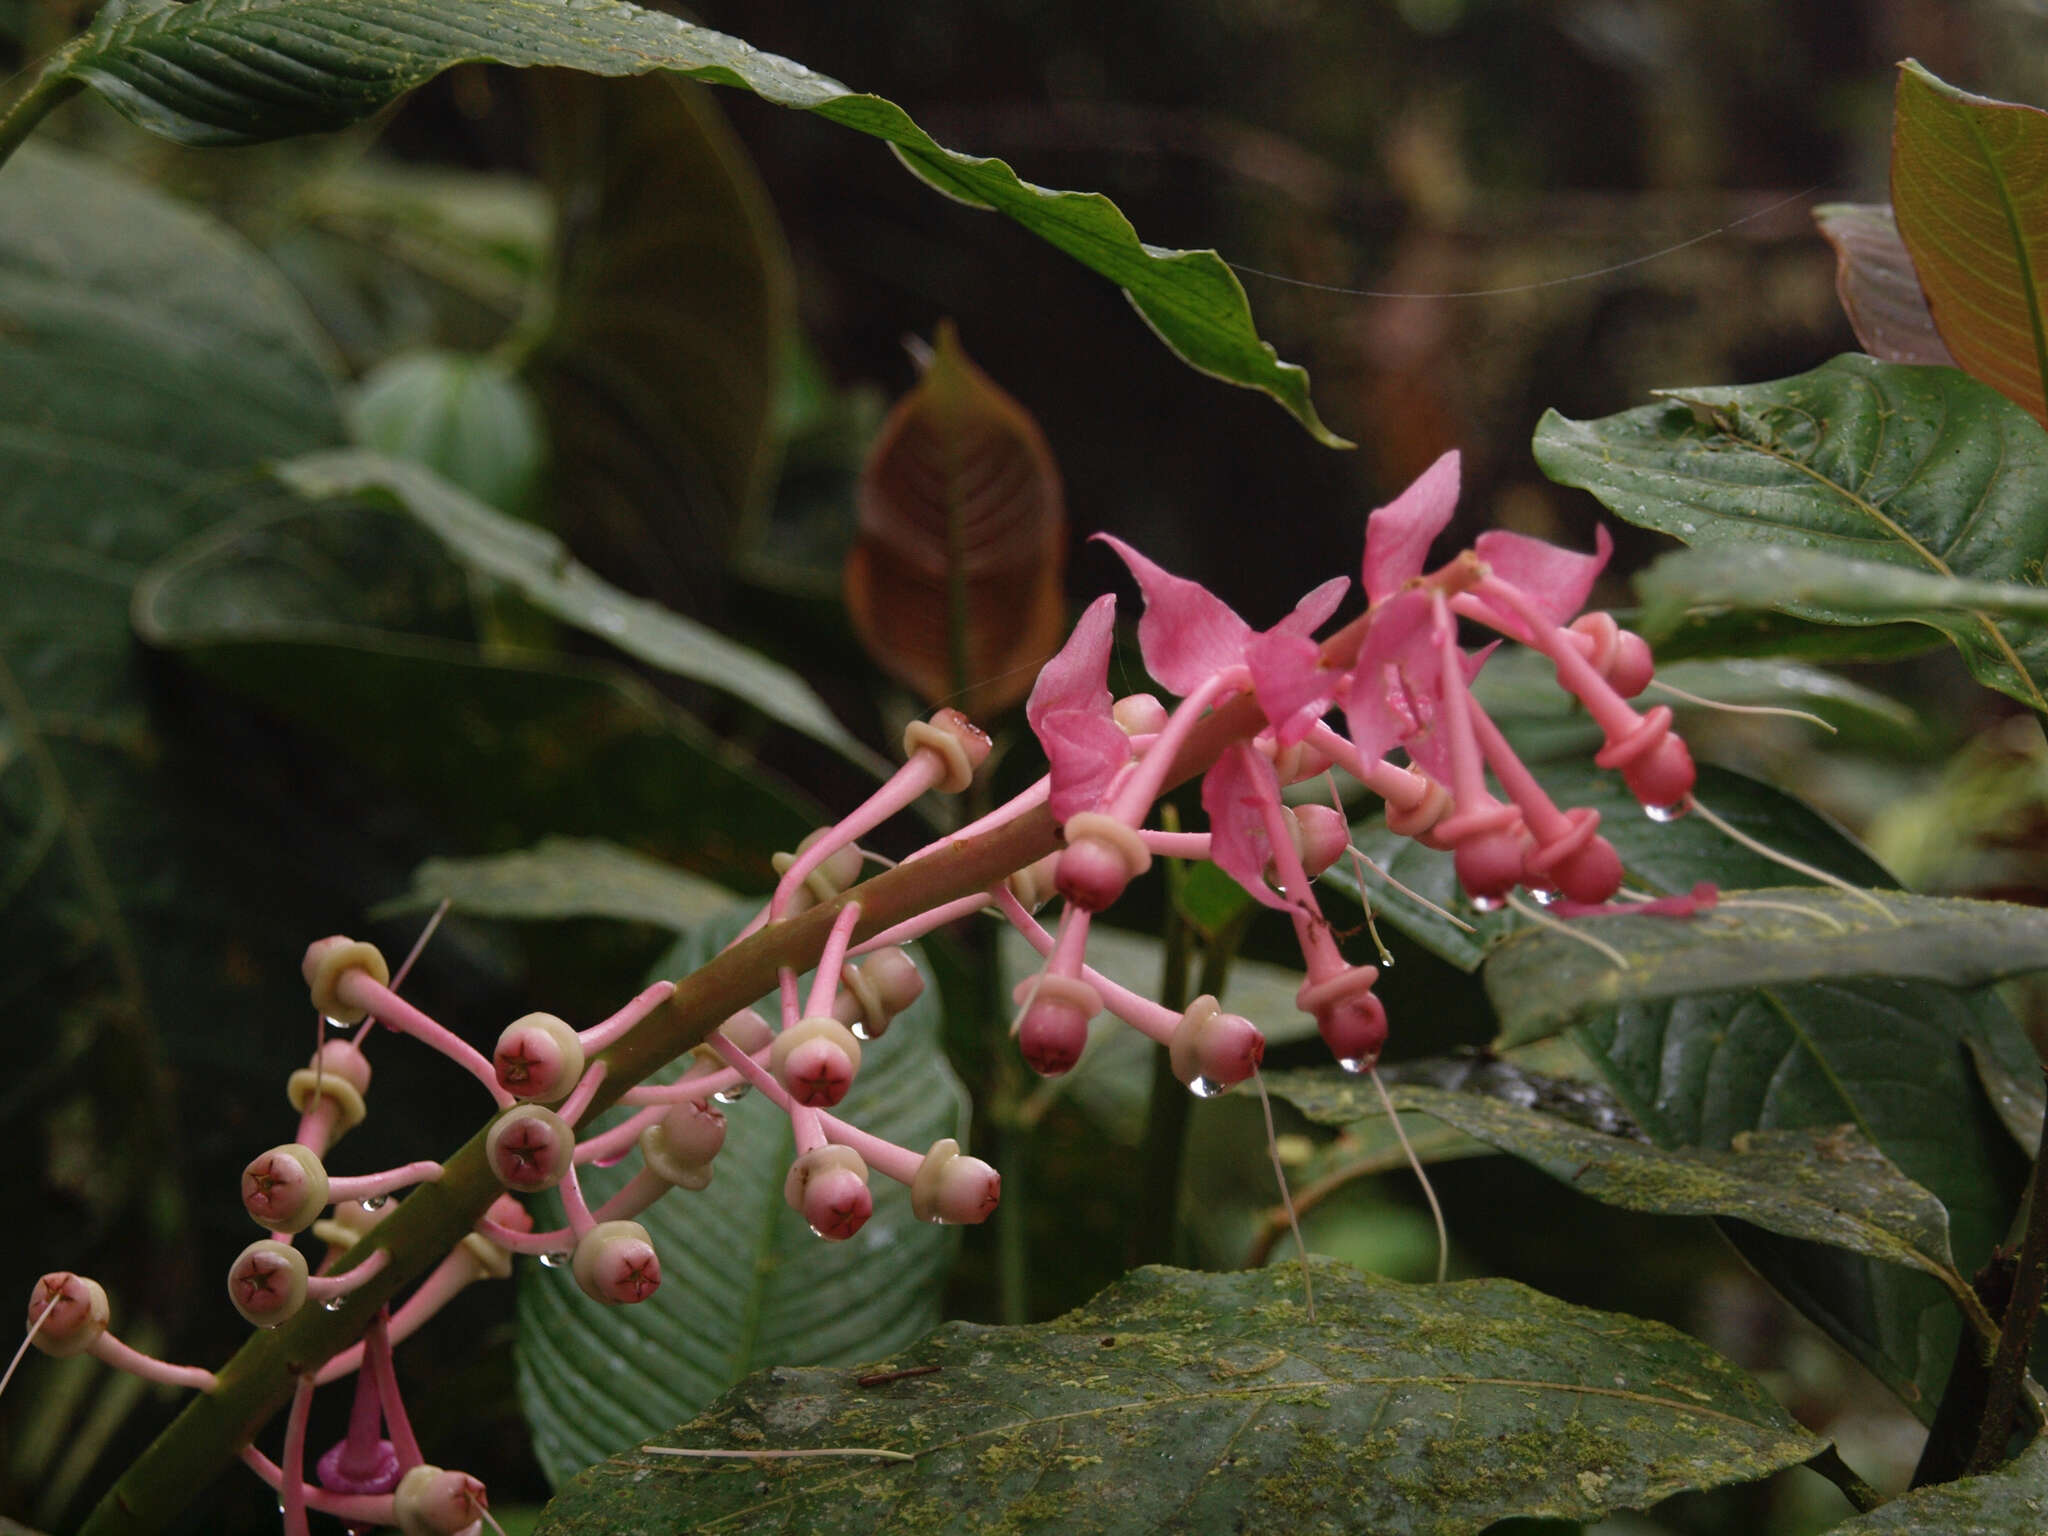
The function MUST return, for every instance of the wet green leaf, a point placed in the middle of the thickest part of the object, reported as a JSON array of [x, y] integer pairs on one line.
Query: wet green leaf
[[745, 1284], [2013, 1501], [1915, 469], [565, 877], [535, 564], [233, 71], [1211, 1402], [1543, 980]]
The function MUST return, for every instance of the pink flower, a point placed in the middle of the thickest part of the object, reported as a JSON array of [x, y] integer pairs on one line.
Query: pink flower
[[1069, 711]]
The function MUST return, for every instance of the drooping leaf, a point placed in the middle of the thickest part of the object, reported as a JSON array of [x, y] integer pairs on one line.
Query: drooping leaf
[[1731, 576], [1779, 636], [672, 310], [1922, 469], [1210, 1403], [536, 565], [1542, 980], [1972, 209], [565, 877], [348, 621], [955, 583], [2012, 1501], [232, 71], [1878, 287], [746, 1285]]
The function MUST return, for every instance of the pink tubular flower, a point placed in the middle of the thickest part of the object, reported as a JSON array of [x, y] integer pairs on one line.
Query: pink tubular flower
[[1070, 711]]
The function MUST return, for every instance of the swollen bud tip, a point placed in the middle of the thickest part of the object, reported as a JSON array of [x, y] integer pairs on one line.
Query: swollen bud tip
[[267, 1282], [431, 1502], [538, 1057], [530, 1148], [73, 1311], [615, 1263]]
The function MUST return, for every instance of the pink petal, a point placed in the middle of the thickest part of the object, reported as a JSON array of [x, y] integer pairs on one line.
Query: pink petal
[[1556, 581], [1084, 751], [1394, 685], [1293, 686], [1233, 792], [1398, 536], [1188, 633], [1078, 677], [1313, 611]]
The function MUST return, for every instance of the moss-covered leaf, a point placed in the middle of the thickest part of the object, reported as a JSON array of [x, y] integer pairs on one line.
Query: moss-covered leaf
[[1543, 979], [1918, 469], [2013, 1501], [1210, 1402], [232, 71], [562, 877]]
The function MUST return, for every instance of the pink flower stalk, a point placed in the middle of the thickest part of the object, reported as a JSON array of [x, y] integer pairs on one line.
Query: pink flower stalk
[[484, 1255], [609, 1032], [68, 1315], [1056, 1004], [359, 989]]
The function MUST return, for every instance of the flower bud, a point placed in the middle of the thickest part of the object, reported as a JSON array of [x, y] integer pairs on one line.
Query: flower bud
[[285, 1189], [1139, 714], [1035, 884], [1619, 655], [538, 1057], [1352, 1022], [267, 1282], [680, 1145], [1322, 835], [73, 1310], [339, 1074], [829, 1185], [952, 1188], [328, 960], [875, 991], [1054, 1029], [530, 1148], [816, 1059], [1212, 1050], [431, 1502], [961, 745], [841, 868], [615, 1263]]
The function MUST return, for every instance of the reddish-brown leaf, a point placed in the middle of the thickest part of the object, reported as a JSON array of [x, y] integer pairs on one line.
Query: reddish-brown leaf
[[954, 585], [1875, 280]]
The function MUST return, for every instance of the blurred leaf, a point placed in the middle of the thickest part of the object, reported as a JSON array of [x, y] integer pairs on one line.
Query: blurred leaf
[[325, 615], [955, 583], [745, 1283], [1779, 636], [233, 71], [2013, 1501], [1210, 1403], [1973, 209], [1208, 898], [1917, 468], [565, 877], [537, 566], [1552, 1077], [2018, 1094], [1740, 576], [672, 308], [1878, 287], [1543, 980], [466, 418]]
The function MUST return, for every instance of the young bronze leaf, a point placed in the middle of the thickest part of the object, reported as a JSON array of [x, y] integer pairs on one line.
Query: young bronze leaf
[[1875, 280], [954, 585], [1973, 209]]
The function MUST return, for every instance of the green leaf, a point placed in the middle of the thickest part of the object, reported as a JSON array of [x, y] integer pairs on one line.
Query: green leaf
[[1738, 577], [1919, 469], [1211, 1403], [233, 71], [1973, 211], [565, 877], [2013, 1501], [1543, 980], [348, 621], [467, 419], [535, 564], [745, 1283], [1551, 1076], [1779, 636], [673, 306], [1878, 287]]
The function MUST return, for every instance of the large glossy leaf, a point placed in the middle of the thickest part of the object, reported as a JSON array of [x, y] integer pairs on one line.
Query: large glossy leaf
[[745, 1284], [230, 71], [1203, 1402], [563, 877], [2013, 1501], [1973, 210], [1875, 280], [349, 622], [954, 584], [1921, 469], [535, 564], [1543, 980], [672, 310]]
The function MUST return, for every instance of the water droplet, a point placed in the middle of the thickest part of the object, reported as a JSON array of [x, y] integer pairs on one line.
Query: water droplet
[[1353, 1063], [336, 1024], [937, 1221], [1205, 1087], [1663, 812], [375, 1202], [332, 1304], [1488, 903], [860, 1030], [817, 1232], [556, 1259], [1544, 897], [730, 1095]]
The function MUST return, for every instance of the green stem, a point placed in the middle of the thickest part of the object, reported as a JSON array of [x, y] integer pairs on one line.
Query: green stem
[[51, 88], [2008, 1372], [1829, 1464], [205, 1438]]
